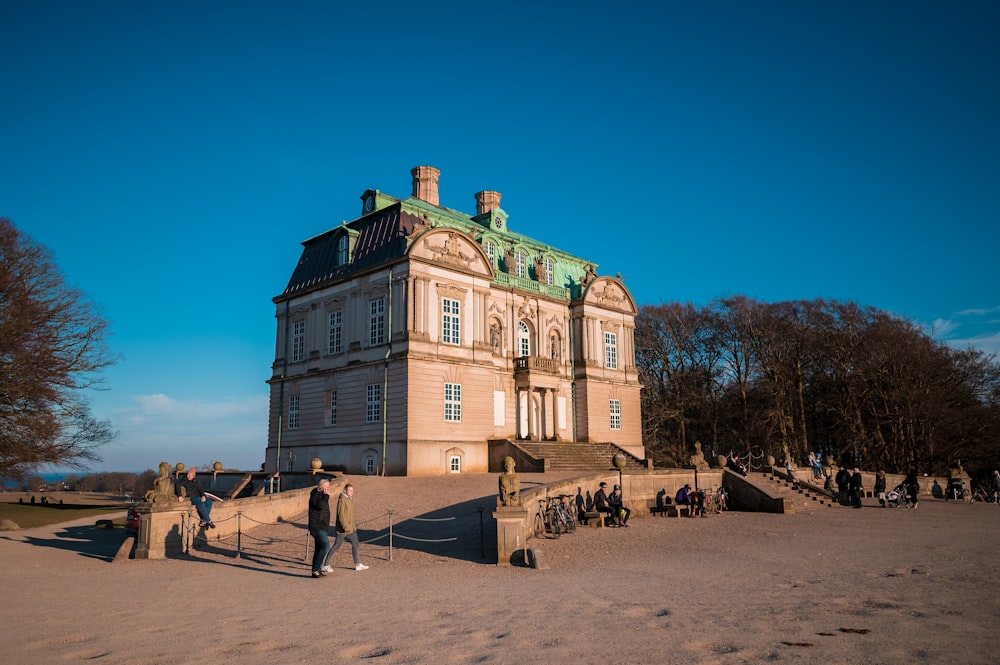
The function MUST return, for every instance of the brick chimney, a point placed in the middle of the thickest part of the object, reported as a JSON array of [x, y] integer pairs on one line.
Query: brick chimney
[[425, 183], [487, 200]]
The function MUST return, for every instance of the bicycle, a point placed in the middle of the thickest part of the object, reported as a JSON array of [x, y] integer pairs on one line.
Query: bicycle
[[984, 495], [554, 518]]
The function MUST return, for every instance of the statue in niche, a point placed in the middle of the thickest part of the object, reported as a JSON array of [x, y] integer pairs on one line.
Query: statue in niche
[[697, 460], [510, 485], [495, 336]]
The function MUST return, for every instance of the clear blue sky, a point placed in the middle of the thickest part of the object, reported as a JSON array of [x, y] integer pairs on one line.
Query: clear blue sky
[[173, 155]]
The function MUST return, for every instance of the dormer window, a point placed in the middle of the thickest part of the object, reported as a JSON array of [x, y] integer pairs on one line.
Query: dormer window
[[342, 250], [520, 263], [491, 252], [550, 271]]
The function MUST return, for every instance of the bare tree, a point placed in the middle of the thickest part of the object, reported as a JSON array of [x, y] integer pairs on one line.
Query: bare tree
[[52, 348]]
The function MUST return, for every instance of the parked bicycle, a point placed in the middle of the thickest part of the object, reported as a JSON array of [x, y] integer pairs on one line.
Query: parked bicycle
[[984, 495], [555, 517]]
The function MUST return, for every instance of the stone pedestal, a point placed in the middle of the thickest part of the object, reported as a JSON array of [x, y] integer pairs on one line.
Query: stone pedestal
[[512, 525]]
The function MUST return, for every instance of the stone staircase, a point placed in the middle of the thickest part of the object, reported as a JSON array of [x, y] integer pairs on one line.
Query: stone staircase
[[802, 497], [569, 456]]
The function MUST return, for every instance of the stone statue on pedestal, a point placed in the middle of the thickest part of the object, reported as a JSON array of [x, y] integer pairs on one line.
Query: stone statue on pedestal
[[510, 485], [697, 460], [163, 487]]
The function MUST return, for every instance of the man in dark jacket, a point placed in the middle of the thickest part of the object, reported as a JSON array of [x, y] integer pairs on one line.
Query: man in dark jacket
[[319, 522], [843, 479], [601, 502], [187, 484], [855, 487]]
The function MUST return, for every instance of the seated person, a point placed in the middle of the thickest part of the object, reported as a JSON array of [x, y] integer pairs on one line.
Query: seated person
[[684, 498], [734, 464], [619, 513], [697, 502], [601, 501]]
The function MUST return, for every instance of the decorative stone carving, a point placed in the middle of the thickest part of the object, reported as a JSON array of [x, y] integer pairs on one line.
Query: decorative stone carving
[[163, 487], [450, 252], [697, 460], [510, 485]]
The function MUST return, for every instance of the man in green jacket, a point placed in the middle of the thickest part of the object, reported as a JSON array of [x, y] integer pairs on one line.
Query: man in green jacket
[[346, 530]]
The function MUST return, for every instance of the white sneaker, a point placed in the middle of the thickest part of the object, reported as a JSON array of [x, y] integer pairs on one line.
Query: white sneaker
[[361, 566], [326, 569]]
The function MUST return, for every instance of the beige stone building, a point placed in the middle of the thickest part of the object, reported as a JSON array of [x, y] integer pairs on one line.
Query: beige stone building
[[410, 337]]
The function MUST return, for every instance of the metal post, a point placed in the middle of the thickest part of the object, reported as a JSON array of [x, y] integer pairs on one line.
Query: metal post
[[239, 534], [390, 534], [482, 537]]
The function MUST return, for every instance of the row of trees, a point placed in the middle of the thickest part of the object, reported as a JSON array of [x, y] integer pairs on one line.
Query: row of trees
[[786, 378], [119, 482]]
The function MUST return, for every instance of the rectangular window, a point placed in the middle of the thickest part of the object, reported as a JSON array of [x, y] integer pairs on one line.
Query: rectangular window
[[376, 322], [298, 341], [336, 332], [451, 322], [373, 403], [520, 264], [455, 464], [550, 271], [610, 350], [491, 252], [293, 412], [331, 406], [453, 402], [616, 414]]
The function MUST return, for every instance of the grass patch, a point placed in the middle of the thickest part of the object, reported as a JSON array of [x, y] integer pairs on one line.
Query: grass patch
[[28, 516]]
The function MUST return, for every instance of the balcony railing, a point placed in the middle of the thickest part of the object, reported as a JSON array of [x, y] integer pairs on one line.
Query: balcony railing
[[536, 364]]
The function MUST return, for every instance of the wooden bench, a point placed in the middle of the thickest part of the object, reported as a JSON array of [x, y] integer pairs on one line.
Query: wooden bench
[[671, 510], [593, 518]]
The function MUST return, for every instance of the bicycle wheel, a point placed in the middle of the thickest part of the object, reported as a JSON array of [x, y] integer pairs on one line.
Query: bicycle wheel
[[570, 524], [554, 526], [539, 525]]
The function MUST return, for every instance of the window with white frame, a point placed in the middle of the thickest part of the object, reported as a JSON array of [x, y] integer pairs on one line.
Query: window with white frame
[[336, 330], [550, 271], [455, 464], [331, 399], [491, 252], [610, 350], [293, 412], [451, 321], [373, 403], [523, 339], [520, 264], [369, 465], [376, 322], [453, 402], [298, 341], [616, 414], [342, 250]]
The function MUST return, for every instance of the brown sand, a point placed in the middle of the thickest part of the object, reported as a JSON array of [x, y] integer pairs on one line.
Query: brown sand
[[832, 586]]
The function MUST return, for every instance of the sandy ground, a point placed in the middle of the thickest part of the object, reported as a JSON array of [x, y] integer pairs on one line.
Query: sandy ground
[[832, 586]]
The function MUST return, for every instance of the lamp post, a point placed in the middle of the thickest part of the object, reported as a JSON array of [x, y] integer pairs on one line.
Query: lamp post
[[619, 463]]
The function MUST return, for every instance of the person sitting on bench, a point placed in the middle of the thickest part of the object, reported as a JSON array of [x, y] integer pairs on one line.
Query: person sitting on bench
[[601, 502], [684, 498]]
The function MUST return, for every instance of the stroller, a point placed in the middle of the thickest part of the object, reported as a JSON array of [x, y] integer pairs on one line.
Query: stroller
[[897, 497]]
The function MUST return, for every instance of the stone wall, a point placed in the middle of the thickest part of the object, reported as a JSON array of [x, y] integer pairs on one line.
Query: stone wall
[[167, 529]]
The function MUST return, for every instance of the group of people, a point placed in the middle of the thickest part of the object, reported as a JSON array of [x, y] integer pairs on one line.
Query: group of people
[[319, 525], [611, 505], [850, 486]]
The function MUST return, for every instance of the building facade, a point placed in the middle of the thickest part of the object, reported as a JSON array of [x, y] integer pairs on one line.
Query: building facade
[[411, 336]]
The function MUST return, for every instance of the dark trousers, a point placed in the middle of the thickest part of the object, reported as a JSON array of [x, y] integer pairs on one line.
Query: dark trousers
[[322, 541]]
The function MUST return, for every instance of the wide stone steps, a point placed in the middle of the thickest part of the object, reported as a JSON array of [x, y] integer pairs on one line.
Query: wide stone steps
[[569, 456], [803, 496]]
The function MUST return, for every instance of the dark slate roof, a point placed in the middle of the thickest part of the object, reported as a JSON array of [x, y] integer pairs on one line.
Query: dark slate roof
[[380, 237]]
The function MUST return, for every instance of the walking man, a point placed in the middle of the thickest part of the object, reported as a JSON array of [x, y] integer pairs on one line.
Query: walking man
[[319, 522], [346, 530]]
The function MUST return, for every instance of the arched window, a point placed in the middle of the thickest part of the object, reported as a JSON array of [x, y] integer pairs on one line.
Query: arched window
[[523, 339], [342, 250]]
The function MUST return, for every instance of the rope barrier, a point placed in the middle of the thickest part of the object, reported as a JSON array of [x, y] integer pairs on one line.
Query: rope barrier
[[191, 535]]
